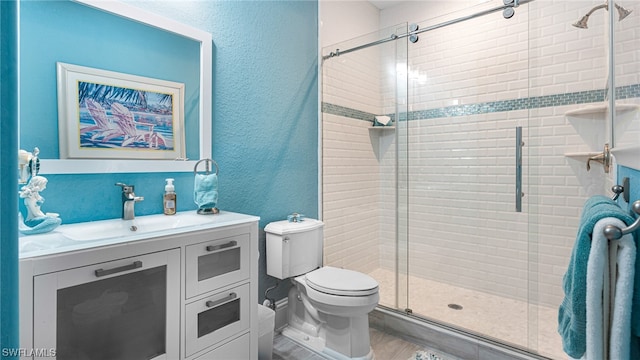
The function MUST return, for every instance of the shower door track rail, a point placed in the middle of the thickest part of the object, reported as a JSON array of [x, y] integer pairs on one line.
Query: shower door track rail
[[393, 37], [446, 329]]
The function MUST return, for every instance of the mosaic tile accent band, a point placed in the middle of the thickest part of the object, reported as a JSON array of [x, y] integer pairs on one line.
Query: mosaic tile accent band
[[347, 112], [580, 97]]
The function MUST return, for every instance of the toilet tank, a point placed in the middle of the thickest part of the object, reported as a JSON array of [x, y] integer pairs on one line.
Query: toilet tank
[[293, 248]]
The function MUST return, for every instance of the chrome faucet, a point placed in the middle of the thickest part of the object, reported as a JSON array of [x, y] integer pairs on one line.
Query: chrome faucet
[[128, 200]]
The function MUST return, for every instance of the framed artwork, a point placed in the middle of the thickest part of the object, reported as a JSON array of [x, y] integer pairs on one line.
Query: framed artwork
[[109, 115]]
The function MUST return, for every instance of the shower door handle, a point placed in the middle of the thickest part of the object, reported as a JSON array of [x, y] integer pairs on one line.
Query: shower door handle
[[519, 144]]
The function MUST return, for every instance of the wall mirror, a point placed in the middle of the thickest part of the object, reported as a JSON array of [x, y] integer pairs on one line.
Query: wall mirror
[[112, 36]]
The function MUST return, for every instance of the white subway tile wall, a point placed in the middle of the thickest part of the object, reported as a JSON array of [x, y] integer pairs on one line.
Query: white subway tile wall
[[350, 195], [354, 78], [358, 164]]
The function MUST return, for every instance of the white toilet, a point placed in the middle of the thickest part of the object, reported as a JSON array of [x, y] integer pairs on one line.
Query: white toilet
[[328, 307]]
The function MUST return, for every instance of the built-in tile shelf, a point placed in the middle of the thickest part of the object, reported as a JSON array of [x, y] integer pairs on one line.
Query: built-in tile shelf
[[382, 128], [628, 156], [582, 156], [601, 109]]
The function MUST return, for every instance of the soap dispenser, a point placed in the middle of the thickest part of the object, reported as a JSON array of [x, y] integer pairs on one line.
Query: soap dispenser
[[169, 198]]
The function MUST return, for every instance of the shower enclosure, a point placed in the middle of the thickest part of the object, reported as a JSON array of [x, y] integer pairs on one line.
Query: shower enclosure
[[465, 209]]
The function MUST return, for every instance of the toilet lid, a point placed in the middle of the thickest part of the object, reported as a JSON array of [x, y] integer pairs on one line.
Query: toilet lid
[[343, 282]]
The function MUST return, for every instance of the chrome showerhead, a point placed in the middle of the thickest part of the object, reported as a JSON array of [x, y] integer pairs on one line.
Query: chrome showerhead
[[622, 13], [582, 23]]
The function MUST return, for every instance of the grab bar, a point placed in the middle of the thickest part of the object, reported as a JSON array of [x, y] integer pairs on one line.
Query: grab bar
[[519, 145], [612, 232]]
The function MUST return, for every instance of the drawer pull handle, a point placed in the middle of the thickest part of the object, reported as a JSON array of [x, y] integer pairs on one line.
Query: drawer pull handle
[[222, 246], [102, 272], [228, 298]]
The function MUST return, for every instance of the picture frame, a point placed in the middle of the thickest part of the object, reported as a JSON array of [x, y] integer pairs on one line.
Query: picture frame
[[110, 115]]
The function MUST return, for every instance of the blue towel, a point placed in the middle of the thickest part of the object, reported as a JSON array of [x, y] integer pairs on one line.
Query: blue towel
[[205, 191], [572, 312]]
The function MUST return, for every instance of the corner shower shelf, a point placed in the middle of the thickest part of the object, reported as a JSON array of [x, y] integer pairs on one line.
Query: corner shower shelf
[[601, 109], [582, 156], [628, 156]]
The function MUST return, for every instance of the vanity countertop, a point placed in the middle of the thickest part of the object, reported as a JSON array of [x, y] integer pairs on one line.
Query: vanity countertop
[[87, 235]]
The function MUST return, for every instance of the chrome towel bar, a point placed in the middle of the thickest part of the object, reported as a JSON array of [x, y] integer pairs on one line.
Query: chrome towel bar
[[614, 233], [208, 163]]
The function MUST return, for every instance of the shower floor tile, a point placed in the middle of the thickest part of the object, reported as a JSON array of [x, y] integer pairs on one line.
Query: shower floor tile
[[493, 316]]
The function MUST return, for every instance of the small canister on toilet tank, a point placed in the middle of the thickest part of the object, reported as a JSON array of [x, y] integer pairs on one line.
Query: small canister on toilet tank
[[293, 248]]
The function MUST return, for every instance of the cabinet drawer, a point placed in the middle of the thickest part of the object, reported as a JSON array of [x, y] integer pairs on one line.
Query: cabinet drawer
[[217, 263], [236, 349], [217, 317]]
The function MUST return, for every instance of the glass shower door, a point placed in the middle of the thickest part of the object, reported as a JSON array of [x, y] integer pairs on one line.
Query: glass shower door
[[467, 240], [362, 178]]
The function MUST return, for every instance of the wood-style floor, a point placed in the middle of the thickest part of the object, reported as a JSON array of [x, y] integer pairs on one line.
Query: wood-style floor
[[385, 347]]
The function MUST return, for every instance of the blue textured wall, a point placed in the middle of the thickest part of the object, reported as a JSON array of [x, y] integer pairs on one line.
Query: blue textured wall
[[64, 31], [8, 181], [265, 122]]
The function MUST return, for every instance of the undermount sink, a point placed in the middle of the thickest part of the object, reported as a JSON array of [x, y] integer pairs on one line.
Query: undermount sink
[[115, 228]]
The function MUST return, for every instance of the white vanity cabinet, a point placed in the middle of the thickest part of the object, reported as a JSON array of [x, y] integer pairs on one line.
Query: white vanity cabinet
[[190, 294]]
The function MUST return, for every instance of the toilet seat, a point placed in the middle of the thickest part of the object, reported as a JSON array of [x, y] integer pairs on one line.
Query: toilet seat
[[341, 282]]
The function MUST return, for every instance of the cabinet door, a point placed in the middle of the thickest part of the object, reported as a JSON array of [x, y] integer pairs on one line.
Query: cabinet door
[[217, 317], [123, 309], [216, 263]]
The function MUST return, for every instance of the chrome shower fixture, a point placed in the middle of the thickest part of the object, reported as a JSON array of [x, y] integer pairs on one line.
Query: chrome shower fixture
[[622, 13], [582, 23]]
